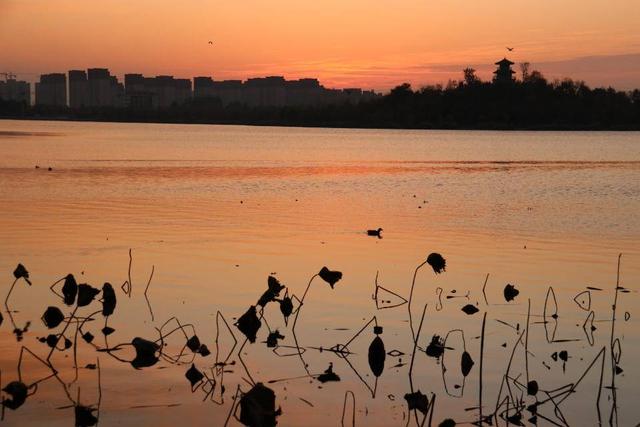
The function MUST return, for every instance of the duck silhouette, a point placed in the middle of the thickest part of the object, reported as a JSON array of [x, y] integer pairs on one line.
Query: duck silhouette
[[375, 233]]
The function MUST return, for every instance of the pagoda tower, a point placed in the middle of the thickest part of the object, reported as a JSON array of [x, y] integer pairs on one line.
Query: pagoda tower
[[504, 73]]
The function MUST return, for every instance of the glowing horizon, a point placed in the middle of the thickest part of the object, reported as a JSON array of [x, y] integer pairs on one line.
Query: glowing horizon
[[343, 44]]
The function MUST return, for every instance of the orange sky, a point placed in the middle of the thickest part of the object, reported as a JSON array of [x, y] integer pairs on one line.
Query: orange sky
[[372, 44]]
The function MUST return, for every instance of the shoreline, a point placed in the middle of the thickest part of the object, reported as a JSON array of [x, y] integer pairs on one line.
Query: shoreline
[[345, 125]]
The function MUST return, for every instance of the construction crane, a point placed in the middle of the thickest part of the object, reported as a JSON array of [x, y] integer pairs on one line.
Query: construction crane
[[8, 75]]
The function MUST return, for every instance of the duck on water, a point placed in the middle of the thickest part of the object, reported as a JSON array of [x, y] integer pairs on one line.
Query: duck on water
[[375, 233]]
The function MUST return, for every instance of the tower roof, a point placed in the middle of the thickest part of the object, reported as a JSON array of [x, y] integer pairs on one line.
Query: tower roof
[[504, 61]]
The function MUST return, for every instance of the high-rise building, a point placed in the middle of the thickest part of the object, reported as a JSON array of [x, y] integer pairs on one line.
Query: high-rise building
[[52, 90], [78, 89], [265, 91], [104, 90], [305, 92], [156, 92], [133, 83], [136, 92], [202, 87], [183, 91], [352, 95], [99, 84], [227, 91], [117, 92], [15, 90], [164, 90]]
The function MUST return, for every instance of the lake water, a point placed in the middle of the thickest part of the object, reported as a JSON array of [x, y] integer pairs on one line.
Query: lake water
[[215, 210]]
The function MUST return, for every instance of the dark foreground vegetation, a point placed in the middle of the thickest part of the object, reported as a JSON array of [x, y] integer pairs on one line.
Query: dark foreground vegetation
[[530, 102], [78, 311]]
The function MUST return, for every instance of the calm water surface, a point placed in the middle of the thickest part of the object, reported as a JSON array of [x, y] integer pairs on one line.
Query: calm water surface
[[215, 210]]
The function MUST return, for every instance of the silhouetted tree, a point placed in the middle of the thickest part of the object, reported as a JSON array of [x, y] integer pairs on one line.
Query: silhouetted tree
[[470, 78], [524, 70], [401, 91], [536, 77], [452, 84]]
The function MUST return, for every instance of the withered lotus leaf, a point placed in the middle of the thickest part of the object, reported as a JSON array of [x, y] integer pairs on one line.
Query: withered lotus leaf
[[437, 262], [70, 289], [18, 392], [510, 292], [470, 309], [52, 317], [328, 375], [273, 291], [435, 347], [145, 353], [272, 339], [108, 299], [286, 307], [21, 273], [107, 330], [258, 407], [84, 416], [193, 343], [194, 375], [417, 401], [86, 294], [466, 363], [329, 276], [204, 350], [88, 337], [377, 355], [249, 324], [52, 340]]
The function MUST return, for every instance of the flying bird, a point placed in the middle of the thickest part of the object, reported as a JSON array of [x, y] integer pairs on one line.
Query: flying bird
[[510, 49]]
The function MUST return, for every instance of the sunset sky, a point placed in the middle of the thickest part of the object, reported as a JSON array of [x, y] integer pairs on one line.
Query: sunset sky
[[371, 44]]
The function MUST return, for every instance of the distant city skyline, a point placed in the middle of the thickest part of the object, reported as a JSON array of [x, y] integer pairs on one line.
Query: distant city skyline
[[344, 44], [98, 88]]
